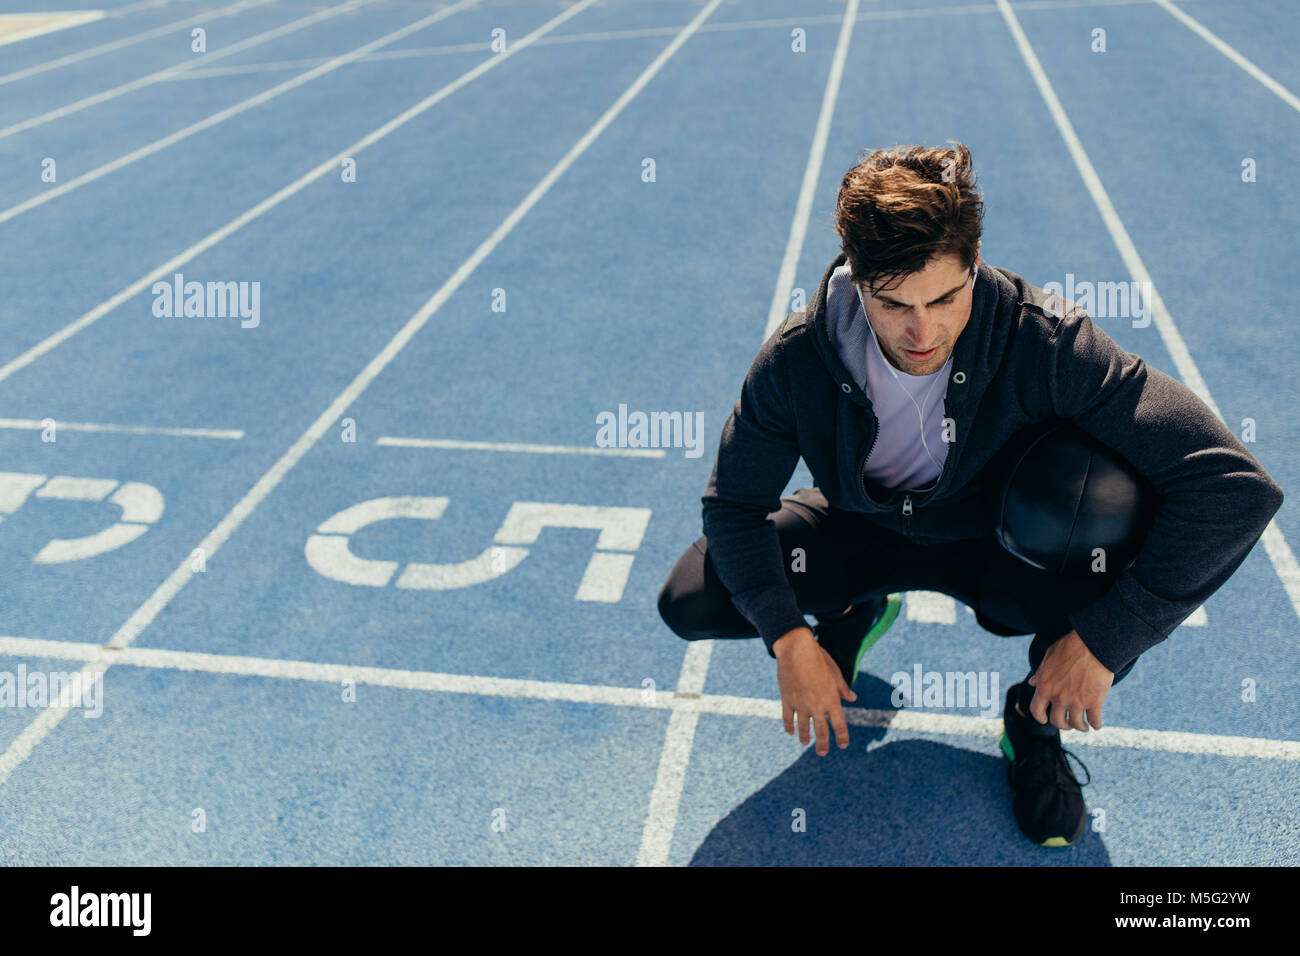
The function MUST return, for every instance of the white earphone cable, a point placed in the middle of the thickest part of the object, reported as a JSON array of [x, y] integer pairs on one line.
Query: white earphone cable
[[919, 410]]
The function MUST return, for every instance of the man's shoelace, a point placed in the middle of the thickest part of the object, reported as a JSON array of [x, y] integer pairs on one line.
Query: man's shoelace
[[1052, 771]]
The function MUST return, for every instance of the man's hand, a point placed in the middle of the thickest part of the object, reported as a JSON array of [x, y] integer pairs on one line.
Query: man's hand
[[1073, 682], [811, 686]]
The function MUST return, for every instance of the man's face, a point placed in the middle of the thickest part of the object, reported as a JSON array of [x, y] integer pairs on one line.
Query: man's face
[[923, 310]]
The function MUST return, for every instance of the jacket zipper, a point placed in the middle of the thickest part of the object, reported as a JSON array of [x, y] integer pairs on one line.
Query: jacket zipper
[[944, 472]]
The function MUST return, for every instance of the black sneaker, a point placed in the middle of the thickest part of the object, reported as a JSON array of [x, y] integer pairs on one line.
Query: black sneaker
[[1049, 803], [848, 638]]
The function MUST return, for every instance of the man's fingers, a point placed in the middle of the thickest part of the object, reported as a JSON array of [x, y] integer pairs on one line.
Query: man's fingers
[[840, 726], [801, 719], [846, 692], [1058, 714], [787, 717], [1094, 717], [823, 735], [1038, 707], [1076, 718]]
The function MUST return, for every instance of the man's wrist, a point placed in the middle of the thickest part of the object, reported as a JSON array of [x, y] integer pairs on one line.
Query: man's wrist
[[791, 639]]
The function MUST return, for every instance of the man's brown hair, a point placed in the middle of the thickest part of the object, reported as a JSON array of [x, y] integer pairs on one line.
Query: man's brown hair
[[898, 208]]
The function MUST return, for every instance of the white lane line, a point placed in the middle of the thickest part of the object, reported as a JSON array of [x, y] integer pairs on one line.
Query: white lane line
[[687, 700], [670, 777], [1070, 4], [247, 43], [31, 424], [118, 44], [661, 819], [930, 607], [448, 443], [156, 602], [222, 115], [24, 26], [22, 746], [695, 669], [211, 239], [935, 607], [1283, 558], [97, 656], [1275, 544], [1164, 741], [780, 307], [246, 68], [1213, 40], [1170, 741]]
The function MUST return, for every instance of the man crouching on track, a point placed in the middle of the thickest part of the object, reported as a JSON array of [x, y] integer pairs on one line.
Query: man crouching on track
[[971, 434]]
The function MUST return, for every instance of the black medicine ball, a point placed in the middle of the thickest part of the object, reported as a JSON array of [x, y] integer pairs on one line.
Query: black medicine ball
[[1063, 494]]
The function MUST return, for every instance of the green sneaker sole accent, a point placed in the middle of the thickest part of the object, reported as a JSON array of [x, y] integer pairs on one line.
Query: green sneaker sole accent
[[894, 602], [1007, 750]]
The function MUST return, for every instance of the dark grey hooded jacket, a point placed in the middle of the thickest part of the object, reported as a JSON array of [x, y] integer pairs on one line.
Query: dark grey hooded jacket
[[1024, 357]]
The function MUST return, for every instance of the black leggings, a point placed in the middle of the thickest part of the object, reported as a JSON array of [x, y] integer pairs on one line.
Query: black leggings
[[848, 559]]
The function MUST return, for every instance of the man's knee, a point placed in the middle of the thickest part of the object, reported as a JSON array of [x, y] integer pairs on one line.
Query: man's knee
[[694, 603], [679, 610]]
